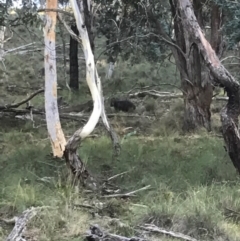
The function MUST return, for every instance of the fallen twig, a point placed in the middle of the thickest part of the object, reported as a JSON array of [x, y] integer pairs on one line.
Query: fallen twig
[[155, 93], [154, 228], [40, 112], [84, 206], [71, 116], [20, 47], [117, 175], [9, 221], [10, 106], [129, 194], [157, 85], [96, 234]]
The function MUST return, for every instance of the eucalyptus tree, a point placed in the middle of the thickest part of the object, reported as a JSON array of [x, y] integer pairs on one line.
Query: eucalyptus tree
[[55, 132], [231, 27], [152, 28]]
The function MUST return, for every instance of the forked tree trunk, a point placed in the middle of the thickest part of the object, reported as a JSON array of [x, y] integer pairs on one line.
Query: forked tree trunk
[[197, 89], [55, 132], [230, 113], [88, 23], [73, 57], [74, 162]]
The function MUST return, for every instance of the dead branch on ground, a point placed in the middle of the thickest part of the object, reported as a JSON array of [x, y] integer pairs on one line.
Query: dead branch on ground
[[155, 229], [96, 234], [70, 116], [155, 93], [129, 194], [117, 175], [156, 85], [11, 106], [21, 222], [165, 95]]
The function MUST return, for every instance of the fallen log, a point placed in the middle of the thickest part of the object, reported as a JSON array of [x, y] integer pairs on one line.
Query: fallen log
[[166, 95], [21, 222]]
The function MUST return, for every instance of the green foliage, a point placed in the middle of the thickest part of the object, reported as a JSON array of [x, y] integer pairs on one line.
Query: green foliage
[[25, 15], [130, 30], [232, 20]]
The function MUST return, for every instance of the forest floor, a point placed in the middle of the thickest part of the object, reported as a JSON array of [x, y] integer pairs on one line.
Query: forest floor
[[194, 188]]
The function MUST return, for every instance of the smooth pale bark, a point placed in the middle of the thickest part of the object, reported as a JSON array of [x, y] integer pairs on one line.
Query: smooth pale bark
[[2, 32], [55, 132], [73, 160], [110, 70], [2, 52], [88, 20], [230, 113], [90, 72]]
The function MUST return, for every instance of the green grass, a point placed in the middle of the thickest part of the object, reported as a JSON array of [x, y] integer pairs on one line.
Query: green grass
[[193, 184]]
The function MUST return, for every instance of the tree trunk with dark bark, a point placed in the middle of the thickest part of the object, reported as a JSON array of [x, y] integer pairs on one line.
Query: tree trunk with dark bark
[[216, 41], [88, 22], [197, 89], [230, 113], [198, 11], [73, 57]]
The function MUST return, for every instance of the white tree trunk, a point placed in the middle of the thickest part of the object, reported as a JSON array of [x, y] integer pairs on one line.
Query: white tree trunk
[[90, 71], [110, 70], [56, 135], [73, 160], [2, 32]]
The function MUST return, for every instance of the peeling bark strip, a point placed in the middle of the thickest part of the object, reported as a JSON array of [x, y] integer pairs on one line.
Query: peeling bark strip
[[230, 113], [55, 132]]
